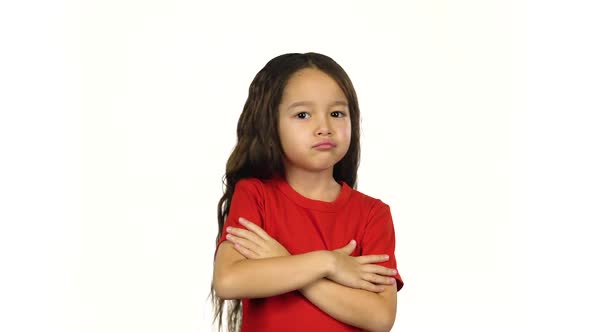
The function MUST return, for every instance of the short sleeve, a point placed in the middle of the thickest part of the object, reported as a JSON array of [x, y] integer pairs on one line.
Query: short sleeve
[[247, 202], [379, 238]]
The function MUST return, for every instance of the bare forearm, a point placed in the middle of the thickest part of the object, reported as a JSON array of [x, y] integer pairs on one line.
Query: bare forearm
[[257, 278], [356, 307]]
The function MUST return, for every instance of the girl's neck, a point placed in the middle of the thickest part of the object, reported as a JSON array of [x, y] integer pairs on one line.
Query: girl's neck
[[314, 185]]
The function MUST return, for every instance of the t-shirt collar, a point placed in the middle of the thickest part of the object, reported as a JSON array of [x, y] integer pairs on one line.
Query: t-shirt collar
[[309, 203]]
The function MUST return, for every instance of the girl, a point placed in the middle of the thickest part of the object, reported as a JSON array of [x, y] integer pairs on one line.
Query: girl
[[290, 217]]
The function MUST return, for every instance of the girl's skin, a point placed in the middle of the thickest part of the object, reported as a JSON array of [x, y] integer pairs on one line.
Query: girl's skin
[[313, 108], [255, 243]]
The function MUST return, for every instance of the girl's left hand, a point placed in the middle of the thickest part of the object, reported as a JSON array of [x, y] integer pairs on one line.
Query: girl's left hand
[[254, 242]]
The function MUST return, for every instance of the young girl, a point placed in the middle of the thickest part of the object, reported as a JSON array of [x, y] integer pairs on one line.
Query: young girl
[[299, 248]]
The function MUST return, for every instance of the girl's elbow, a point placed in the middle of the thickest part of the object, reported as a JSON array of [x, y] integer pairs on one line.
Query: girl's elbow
[[388, 326], [387, 322], [384, 327], [220, 285], [227, 288], [383, 322]]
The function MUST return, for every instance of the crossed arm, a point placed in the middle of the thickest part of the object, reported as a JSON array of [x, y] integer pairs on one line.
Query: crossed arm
[[254, 278], [357, 307]]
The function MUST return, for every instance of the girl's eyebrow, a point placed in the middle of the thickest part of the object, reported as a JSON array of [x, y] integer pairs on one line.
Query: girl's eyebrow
[[308, 103]]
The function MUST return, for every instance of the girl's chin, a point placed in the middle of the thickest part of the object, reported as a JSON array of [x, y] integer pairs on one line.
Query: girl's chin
[[314, 167], [315, 161]]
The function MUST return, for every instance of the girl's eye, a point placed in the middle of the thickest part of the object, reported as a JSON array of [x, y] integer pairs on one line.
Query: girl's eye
[[335, 112]]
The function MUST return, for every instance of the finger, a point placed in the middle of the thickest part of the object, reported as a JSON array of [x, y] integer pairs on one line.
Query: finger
[[371, 287], [372, 259], [347, 249], [244, 243], [254, 228], [377, 279], [244, 251], [246, 234], [378, 269]]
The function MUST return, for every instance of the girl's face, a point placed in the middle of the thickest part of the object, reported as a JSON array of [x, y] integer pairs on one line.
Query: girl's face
[[313, 109]]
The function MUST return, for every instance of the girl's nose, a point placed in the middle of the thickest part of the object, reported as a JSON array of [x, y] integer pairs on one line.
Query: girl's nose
[[324, 131], [323, 127]]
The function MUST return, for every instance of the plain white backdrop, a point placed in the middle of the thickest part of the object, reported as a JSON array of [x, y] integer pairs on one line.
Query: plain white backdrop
[[117, 118]]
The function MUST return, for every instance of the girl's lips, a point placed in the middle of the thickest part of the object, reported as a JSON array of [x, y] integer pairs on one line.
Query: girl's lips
[[328, 142], [326, 146]]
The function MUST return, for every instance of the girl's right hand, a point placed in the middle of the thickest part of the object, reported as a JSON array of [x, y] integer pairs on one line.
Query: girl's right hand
[[357, 272]]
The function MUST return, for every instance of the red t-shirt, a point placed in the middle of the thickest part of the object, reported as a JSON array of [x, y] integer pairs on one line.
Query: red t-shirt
[[302, 225]]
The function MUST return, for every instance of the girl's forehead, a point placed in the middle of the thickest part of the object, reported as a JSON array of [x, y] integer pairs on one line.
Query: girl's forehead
[[309, 75], [312, 84]]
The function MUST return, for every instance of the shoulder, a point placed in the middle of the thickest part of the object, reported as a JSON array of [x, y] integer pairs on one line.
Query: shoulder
[[376, 212], [251, 186], [370, 203]]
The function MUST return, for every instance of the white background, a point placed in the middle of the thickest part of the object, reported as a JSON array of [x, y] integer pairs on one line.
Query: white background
[[117, 118]]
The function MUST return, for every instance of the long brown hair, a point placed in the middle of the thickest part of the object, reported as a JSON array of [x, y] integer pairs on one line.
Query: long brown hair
[[258, 152]]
